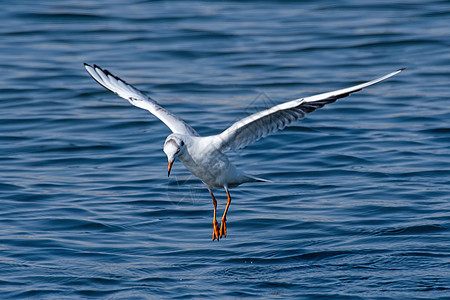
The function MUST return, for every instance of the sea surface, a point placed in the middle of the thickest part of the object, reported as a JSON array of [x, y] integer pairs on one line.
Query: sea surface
[[359, 207]]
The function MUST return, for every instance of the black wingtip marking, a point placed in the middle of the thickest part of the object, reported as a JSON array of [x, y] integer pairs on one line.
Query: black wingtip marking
[[108, 73], [404, 68], [97, 69]]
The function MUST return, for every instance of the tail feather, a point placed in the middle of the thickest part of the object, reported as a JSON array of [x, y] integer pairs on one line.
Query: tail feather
[[257, 179]]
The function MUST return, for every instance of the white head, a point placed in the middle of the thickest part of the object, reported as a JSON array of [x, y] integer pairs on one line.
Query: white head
[[173, 146]]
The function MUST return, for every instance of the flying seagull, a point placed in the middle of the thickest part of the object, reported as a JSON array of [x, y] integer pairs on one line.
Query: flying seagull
[[205, 156]]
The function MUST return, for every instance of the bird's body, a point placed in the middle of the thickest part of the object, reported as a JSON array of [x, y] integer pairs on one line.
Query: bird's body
[[209, 164], [205, 156]]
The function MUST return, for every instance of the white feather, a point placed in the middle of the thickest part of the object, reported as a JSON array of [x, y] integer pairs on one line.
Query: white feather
[[139, 99], [263, 123]]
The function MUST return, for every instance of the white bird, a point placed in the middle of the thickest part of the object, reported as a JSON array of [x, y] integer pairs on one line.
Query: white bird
[[204, 156]]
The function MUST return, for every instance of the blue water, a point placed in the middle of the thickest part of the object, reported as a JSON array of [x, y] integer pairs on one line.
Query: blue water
[[359, 207]]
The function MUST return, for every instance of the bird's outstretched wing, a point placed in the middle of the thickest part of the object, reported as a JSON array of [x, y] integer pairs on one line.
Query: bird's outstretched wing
[[138, 98], [261, 124]]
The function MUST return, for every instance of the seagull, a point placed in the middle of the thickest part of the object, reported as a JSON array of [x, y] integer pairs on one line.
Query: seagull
[[205, 156]]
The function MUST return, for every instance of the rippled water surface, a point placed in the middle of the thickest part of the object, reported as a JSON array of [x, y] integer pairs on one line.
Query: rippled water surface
[[359, 207]]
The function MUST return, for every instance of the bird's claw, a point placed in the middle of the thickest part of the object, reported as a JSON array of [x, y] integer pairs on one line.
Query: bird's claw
[[215, 230], [223, 228]]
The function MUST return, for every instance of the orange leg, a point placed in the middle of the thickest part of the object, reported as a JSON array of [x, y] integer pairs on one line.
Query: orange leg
[[223, 225], [215, 224]]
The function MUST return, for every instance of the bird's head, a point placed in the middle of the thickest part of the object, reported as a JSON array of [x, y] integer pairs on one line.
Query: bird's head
[[173, 147]]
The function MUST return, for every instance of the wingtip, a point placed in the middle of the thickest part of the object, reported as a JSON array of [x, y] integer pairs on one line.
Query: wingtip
[[107, 73], [401, 69]]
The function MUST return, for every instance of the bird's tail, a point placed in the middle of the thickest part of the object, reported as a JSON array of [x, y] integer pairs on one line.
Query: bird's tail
[[256, 179]]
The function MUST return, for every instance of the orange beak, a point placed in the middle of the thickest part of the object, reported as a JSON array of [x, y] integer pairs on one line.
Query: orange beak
[[169, 168]]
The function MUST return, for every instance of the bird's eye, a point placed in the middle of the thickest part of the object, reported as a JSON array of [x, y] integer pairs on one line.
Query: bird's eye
[[182, 143]]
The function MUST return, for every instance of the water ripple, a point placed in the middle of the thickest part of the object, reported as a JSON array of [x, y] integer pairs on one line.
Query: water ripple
[[359, 204]]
